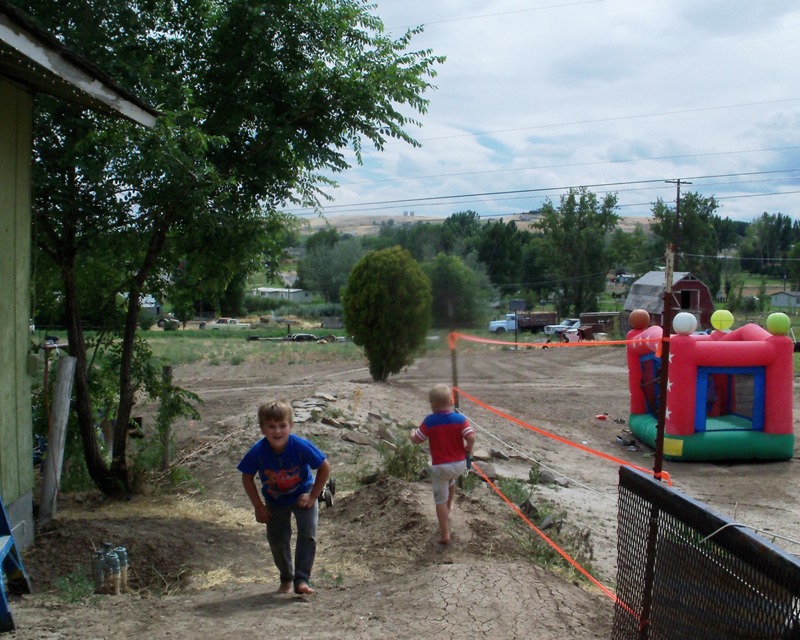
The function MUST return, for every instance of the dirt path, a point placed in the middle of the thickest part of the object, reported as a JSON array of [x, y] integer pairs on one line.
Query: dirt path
[[199, 561]]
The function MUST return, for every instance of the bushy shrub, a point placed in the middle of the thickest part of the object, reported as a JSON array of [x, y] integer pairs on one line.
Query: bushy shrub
[[387, 308], [402, 459], [145, 320], [254, 304]]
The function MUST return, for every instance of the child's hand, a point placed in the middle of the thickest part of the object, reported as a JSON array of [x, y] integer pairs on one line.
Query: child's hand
[[305, 501], [262, 514]]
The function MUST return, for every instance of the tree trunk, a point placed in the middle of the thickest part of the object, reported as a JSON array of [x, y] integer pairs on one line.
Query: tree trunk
[[95, 464], [119, 465]]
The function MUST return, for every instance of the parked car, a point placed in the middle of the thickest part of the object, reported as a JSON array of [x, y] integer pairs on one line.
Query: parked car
[[302, 337], [225, 323], [561, 327], [167, 317]]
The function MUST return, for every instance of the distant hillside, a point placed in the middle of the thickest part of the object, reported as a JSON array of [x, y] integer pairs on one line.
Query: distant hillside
[[363, 225]]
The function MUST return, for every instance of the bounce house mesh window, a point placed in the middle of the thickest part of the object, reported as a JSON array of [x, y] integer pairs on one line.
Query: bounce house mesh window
[[651, 367], [730, 399]]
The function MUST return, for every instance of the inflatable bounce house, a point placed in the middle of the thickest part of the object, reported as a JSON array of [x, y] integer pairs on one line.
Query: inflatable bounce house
[[729, 393]]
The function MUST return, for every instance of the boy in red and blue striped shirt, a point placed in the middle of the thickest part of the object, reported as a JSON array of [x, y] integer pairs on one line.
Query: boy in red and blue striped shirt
[[451, 441]]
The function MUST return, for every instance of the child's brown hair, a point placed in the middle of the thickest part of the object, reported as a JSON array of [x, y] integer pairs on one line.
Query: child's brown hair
[[440, 396], [275, 410]]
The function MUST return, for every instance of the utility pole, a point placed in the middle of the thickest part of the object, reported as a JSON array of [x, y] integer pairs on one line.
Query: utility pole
[[663, 374], [666, 325], [677, 230]]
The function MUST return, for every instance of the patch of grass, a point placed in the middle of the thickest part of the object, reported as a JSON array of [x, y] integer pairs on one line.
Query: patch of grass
[[181, 477], [515, 490], [534, 474], [469, 482], [355, 474], [74, 586], [330, 579], [334, 412], [186, 347], [575, 541]]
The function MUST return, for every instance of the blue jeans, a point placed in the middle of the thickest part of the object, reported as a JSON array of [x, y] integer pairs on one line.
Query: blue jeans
[[279, 536]]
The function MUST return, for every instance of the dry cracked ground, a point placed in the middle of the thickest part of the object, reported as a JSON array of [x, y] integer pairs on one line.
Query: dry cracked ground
[[199, 561]]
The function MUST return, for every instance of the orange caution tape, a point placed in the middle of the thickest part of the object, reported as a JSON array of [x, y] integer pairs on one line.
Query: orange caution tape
[[552, 544], [562, 440], [454, 336]]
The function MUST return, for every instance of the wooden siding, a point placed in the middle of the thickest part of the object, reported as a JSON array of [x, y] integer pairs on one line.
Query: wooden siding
[[16, 448]]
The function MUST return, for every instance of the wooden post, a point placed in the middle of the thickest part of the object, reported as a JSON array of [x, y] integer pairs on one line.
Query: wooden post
[[51, 473], [165, 429]]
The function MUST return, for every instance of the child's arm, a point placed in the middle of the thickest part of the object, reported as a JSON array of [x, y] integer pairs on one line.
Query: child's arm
[[248, 482], [307, 500], [416, 436], [469, 445]]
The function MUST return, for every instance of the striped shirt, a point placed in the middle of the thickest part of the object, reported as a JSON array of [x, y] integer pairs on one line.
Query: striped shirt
[[445, 431]]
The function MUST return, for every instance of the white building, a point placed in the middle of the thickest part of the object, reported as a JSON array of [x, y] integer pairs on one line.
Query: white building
[[283, 293], [786, 300]]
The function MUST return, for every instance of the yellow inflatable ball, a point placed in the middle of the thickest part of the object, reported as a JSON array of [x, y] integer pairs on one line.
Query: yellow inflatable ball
[[722, 319]]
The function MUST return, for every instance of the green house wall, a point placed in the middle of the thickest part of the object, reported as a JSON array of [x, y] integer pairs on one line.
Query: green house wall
[[16, 447]]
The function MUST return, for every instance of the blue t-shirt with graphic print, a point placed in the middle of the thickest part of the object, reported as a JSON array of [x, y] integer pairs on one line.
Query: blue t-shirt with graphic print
[[284, 476]]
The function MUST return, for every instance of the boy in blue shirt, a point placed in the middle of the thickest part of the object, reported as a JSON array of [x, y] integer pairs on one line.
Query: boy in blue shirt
[[283, 462]]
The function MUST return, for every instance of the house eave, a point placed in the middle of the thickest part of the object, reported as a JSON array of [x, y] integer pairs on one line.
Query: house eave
[[39, 63]]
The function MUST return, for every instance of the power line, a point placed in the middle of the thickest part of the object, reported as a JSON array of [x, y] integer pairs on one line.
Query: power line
[[433, 199]]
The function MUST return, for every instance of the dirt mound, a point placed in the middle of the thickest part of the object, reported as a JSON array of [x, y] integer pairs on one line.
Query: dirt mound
[[392, 523], [168, 549]]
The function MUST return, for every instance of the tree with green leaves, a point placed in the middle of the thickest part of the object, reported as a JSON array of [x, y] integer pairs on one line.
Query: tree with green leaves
[[460, 232], [575, 237], [460, 293], [387, 309], [326, 268], [259, 100], [695, 236], [631, 251], [767, 242], [793, 268], [499, 248]]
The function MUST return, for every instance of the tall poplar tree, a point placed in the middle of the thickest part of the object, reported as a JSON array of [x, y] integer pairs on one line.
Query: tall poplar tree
[[575, 240]]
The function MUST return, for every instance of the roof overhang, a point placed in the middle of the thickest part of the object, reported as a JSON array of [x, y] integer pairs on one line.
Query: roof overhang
[[38, 62]]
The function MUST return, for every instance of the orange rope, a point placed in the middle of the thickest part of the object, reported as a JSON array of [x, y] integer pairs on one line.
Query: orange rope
[[553, 545], [454, 336], [562, 440]]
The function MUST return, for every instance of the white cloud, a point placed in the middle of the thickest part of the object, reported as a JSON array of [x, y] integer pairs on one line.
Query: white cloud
[[595, 92]]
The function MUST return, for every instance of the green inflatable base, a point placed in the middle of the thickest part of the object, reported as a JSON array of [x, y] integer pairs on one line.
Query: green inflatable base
[[733, 443]]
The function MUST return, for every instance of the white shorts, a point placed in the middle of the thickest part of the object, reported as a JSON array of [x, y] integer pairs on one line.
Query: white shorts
[[443, 476]]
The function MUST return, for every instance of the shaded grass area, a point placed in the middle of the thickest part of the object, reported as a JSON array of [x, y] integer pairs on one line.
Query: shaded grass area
[[220, 347]]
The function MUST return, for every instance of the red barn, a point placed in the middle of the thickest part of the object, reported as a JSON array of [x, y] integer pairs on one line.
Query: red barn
[[688, 294]]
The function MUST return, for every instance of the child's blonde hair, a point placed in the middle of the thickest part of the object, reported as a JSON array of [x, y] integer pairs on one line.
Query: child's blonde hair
[[441, 396], [275, 410]]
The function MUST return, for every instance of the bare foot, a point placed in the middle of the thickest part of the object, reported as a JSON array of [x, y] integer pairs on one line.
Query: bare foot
[[286, 587], [303, 589], [444, 540]]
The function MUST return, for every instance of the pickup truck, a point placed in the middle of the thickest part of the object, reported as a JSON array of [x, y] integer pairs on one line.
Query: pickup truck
[[532, 321], [225, 323], [565, 325]]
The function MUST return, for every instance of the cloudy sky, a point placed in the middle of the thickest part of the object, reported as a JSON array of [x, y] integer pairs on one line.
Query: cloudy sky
[[538, 96]]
